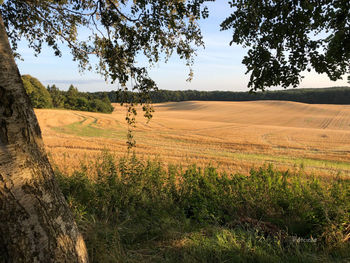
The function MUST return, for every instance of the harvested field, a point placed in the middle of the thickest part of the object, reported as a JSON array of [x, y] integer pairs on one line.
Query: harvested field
[[235, 136]]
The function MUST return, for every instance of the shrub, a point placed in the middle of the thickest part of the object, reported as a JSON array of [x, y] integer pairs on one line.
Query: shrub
[[137, 210]]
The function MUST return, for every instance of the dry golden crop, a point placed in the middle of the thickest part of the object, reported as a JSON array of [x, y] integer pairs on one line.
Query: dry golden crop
[[235, 136]]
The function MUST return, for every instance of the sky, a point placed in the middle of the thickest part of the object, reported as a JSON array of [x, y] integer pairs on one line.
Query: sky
[[217, 67]]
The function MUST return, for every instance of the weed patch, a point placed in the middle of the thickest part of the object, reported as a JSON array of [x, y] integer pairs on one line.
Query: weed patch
[[135, 210]]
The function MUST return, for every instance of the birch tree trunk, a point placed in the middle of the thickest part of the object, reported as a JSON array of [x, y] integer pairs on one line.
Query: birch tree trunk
[[35, 222]]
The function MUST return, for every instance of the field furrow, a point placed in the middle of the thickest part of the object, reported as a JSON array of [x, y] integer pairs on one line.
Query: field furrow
[[234, 135]]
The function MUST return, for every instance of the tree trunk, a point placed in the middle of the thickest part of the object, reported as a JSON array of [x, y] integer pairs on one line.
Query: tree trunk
[[36, 224]]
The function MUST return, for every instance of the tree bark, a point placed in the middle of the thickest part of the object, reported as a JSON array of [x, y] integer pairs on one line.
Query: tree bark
[[36, 224]]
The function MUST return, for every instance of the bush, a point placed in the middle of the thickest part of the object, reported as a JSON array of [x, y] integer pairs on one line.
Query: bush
[[138, 210]]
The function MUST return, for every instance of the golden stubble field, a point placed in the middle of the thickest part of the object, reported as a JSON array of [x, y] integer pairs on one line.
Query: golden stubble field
[[235, 136]]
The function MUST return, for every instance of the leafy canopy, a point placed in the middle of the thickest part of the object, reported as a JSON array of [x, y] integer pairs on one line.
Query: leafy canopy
[[284, 37], [120, 30], [287, 37]]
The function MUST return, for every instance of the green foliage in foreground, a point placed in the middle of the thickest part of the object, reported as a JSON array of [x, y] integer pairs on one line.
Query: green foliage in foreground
[[141, 211]]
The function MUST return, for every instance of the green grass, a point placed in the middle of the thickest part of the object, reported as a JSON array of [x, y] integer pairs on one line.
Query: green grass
[[140, 211], [90, 130], [293, 161]]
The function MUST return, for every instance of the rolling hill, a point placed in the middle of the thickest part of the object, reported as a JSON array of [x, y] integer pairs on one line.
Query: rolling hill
[[235, 136]]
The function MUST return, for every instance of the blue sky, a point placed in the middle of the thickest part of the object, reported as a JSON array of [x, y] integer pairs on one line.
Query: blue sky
[[217, 67]]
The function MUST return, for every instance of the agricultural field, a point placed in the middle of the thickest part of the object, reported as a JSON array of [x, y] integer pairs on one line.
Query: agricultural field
[[233, 136]]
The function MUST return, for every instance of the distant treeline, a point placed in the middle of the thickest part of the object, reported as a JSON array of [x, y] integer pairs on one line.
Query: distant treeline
[[335, 95], [52, 97]]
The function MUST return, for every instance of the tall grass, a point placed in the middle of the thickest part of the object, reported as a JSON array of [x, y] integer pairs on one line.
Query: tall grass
[[134, 210]]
